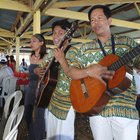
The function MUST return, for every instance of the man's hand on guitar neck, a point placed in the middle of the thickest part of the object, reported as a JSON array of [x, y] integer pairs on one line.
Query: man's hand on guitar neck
[[39, 71], [100, 72], [59, 55]]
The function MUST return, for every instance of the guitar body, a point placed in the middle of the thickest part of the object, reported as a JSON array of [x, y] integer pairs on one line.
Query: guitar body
[[81, 102], [93, 97], [119, 80], [47, 87]]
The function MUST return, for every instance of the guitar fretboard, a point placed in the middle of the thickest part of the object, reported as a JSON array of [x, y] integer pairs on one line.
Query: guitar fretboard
[[125, 59]]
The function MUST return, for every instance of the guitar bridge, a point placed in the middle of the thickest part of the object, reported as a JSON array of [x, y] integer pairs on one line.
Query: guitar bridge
[[84, 89]]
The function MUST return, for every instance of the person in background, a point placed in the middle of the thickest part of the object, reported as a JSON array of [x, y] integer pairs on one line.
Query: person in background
[[22, 75], [7, 56], [5, 70], [12, 63], [60, 114], [22, 78], [23, 66], [36, 127]]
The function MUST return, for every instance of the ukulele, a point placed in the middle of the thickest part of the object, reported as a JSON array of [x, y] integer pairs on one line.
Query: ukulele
[[89, 95], [48, 81]]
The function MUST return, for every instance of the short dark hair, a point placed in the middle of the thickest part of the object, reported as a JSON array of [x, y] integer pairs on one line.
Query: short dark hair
[[106, 10], [11, 57], [64, 24], [7, 56], [41, 38]]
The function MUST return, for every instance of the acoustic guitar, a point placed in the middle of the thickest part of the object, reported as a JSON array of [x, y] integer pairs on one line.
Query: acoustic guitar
[[48, 81], [89, 95]]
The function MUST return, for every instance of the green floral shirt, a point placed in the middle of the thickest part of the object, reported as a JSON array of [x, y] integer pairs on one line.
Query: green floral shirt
[[122, 104], [60, 102]]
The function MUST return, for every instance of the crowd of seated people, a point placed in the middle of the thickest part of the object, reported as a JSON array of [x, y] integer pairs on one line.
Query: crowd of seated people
[[8, 68], [5, 71], [21, 75]]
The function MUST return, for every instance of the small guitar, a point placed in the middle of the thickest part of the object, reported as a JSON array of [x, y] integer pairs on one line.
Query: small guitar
[[89, 95], [48, 82]]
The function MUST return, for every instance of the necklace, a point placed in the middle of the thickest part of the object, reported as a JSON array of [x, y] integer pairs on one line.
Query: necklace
[[36, 56]]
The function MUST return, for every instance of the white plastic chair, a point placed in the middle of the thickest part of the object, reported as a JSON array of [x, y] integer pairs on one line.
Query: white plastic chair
[[13, 136], [13, 123], [8, 87], [17, 96]]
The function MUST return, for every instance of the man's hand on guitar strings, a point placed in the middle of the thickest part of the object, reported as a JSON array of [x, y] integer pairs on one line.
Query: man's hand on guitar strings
[[100, 72], [39, 71]]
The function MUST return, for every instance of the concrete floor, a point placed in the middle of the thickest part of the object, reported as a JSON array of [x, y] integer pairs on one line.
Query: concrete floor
[[82, 129]]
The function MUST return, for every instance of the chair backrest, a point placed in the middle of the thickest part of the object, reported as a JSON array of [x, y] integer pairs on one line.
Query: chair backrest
[[8, 85], [17, 96], [13, 122], [12, 136], [13, 82]]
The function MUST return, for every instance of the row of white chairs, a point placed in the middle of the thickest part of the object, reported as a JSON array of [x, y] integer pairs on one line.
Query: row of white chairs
[[11, 118]]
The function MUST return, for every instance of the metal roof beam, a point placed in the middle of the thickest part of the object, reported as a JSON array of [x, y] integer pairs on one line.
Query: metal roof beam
[[4, 44], [84, 17], [13, 5], [7, 34], [29, 17], [76, 40], [137, 7], [6, 40], [3, 48], [4, 30], [51, 3], [79, 3]]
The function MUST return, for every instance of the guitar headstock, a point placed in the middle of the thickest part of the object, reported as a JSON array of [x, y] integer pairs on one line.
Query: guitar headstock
[[71, 30]]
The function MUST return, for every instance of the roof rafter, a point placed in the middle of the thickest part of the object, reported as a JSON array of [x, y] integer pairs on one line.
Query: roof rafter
[[81, 40], [29, 17], [7, 34], [89, 3], [84, 17], [13, 5]]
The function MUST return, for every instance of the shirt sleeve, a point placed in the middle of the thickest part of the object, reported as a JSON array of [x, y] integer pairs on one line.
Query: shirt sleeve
[[71, 57]]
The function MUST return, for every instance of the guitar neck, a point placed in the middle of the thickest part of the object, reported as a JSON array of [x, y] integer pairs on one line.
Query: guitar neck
[[48, 67], [51, 62], [125, 59]]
